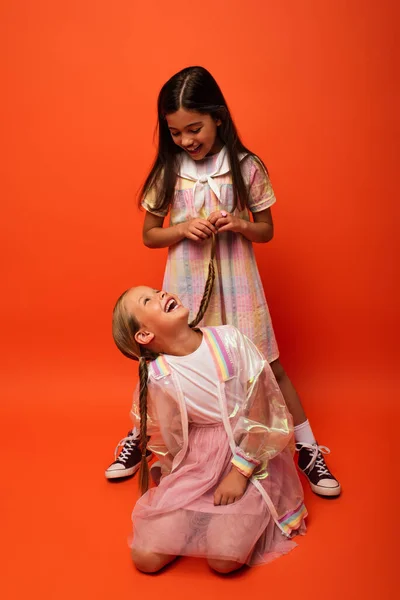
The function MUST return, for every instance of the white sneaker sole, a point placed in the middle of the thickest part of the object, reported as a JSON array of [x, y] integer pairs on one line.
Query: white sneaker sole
[[122, 474], [324, 491]]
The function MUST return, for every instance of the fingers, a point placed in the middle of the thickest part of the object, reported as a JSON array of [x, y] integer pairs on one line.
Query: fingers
[[236, 498], [223, 499], [221, 221], [218, 214], [202, 228], [208, 226], [198, 233], [220, 499], [193, 237], [227, 227], [214, 217], [217, 497]]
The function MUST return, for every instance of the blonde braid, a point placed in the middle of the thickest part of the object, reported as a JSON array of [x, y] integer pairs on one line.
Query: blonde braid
[[144, 466]]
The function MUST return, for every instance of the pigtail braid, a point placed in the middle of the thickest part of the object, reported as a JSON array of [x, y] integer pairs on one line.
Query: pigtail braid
[[144, 466], [208, 287]]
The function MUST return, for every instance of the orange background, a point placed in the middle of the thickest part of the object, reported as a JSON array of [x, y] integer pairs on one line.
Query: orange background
[[313, 87]]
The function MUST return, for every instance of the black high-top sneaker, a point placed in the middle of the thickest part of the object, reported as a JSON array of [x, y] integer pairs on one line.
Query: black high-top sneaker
[[127, 462], [312, 463]]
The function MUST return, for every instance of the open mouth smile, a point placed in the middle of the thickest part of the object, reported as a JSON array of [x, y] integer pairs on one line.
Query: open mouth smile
[[171, 305], [195, 150]]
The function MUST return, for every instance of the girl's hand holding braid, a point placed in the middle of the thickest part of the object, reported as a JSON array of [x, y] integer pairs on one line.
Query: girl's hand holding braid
[[260, 230], [197, 229], [224, 221]]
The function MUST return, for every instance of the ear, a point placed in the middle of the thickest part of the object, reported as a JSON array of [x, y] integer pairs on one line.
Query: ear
[[144, 337], [220, 115]]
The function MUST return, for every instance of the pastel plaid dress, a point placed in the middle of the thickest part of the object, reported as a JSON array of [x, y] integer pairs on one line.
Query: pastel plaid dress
[[238, 297]]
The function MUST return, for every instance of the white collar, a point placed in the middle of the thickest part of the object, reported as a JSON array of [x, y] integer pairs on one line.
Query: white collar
[[187, 169]]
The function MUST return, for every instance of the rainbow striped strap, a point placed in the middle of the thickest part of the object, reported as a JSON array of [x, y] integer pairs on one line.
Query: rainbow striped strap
[[244, 463], [219, 353], [159, 367], [293, 519]]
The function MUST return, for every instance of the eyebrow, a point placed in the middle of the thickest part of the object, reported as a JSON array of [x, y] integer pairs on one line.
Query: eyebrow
[[190, 125], [145, 296]]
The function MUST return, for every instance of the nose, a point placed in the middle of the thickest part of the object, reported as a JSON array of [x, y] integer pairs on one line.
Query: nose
[[162, 294], [186, 142]]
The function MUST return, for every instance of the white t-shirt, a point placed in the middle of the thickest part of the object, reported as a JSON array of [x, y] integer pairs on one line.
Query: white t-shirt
[[198, 378]]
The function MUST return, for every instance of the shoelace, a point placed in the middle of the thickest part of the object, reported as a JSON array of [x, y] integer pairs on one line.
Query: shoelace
[[127, 443], [317, 458]]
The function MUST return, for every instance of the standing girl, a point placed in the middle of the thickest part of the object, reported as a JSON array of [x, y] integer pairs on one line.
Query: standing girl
[[210, 183]]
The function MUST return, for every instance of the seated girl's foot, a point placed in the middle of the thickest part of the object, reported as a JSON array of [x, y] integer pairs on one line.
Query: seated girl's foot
[[127, 462], [312, 463]]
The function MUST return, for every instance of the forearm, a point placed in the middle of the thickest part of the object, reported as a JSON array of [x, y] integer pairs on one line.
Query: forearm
[[163, 237], [259, 233]]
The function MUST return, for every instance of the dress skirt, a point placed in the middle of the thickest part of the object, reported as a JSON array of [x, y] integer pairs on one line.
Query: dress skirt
[[178, 517]]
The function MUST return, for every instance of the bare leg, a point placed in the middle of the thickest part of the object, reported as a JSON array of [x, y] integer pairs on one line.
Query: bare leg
[[289, 393], [224, 566], [150, 562], [311, 460]]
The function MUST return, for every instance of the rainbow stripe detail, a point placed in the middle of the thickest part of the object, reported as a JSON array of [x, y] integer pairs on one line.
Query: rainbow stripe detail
[[223, 362], [160, 367], [293, 519], [245, 467]]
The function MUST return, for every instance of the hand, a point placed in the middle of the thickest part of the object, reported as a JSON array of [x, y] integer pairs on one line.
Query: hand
[[197, 229], [231, 488], [224, 221]]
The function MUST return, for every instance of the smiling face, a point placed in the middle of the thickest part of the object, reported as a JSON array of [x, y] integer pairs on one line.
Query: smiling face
[[195, 132], [158, 313]]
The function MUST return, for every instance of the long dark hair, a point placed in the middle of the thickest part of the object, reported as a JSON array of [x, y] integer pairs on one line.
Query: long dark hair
[[124, 328], [193, 88]]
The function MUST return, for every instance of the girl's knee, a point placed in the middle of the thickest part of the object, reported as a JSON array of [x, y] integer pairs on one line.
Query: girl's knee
[[224, 566], [147, 562]]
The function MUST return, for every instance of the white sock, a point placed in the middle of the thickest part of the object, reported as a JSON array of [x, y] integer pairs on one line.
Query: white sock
[[304, 434]]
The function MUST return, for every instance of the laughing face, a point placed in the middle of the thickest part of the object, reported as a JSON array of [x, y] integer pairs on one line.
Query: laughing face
[[158, 312], [196, 133]]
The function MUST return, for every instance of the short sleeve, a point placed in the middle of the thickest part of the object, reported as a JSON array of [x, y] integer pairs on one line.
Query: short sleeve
[[261, 194], [149, 203]]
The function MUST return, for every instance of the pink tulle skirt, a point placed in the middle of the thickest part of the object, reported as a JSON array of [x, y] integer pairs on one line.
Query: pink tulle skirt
[[179, 517]]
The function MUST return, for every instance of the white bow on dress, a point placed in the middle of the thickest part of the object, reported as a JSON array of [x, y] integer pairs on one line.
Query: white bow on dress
[[187, 169]]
